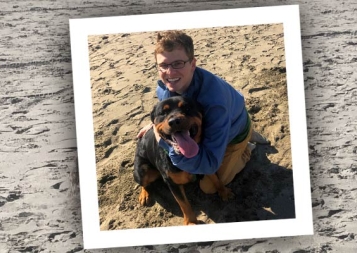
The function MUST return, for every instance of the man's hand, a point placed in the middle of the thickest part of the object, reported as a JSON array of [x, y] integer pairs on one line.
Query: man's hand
[[143, 131]]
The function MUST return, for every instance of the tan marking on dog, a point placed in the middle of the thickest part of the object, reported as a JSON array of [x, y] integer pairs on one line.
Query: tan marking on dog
[[196, 120], [189, 217], [163, 128], [181, 177], [150, 176], [180, 104], [144, 197]]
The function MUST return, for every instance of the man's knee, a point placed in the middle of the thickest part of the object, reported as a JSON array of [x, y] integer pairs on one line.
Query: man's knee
[[207, 185]]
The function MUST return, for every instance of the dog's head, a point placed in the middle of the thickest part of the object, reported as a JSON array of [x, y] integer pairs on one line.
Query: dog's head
[[178, 120]]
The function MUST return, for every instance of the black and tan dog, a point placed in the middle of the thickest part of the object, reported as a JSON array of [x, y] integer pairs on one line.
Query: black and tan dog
[[178, 120]]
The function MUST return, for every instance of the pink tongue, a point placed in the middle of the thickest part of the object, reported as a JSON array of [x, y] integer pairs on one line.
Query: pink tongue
[[187, 146]]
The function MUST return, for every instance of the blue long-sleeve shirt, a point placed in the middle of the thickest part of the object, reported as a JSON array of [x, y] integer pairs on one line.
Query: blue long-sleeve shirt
[[224, 118]]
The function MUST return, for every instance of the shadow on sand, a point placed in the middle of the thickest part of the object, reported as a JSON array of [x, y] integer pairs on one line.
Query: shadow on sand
[[263, 191]]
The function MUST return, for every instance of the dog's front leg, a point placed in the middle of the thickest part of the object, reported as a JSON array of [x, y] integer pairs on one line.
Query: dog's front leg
[[189, 217]]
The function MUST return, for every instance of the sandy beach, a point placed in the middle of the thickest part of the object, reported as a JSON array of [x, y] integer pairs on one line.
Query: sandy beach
[[39, 194], [124, 80]]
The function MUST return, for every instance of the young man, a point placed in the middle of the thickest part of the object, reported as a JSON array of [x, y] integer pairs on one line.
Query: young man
[[227, 129]]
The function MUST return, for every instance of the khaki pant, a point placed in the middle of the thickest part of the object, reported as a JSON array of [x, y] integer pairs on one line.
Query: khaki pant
[[235, 159]]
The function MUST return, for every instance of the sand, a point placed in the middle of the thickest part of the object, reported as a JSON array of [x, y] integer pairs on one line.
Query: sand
[[39, 198], [124, 80]]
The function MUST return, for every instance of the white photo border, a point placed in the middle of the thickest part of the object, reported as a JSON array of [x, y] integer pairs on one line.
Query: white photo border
[[80, 29]]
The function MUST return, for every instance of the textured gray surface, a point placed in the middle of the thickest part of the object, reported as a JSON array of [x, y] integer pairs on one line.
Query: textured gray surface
[[40, 209]]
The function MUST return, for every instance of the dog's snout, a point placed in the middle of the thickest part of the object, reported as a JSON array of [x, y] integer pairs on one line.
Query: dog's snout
[[174, 122]]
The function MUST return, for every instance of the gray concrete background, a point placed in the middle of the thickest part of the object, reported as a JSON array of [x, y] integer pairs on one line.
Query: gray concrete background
[[40, 211]]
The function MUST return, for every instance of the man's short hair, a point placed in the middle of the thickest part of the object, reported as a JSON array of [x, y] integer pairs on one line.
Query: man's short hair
[[171, 40]]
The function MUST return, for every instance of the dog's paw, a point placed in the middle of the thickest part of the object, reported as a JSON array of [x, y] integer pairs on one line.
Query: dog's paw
[[189, 223], [144, 197], [226, 194]]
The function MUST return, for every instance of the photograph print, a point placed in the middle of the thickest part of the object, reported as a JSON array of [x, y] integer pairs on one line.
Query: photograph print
[[191, 127]]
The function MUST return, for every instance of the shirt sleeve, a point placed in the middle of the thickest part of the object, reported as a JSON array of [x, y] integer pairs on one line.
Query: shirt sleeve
[[218, 99], [160, 92], [165, 146], [211, 153]]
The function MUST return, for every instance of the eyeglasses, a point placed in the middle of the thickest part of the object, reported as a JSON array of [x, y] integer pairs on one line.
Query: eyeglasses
[[175, 65]]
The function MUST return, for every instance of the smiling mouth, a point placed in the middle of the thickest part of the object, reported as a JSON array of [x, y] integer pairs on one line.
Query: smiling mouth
[[171, 80]]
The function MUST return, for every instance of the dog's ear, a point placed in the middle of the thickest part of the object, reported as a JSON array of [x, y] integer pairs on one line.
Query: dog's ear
[[152, 114]]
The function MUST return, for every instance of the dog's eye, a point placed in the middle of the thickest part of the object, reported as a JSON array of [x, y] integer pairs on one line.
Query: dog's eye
[[164, 112], [186, 109]]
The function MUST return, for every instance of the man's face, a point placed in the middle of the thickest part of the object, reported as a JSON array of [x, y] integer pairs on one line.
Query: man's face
[[176, 80]]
